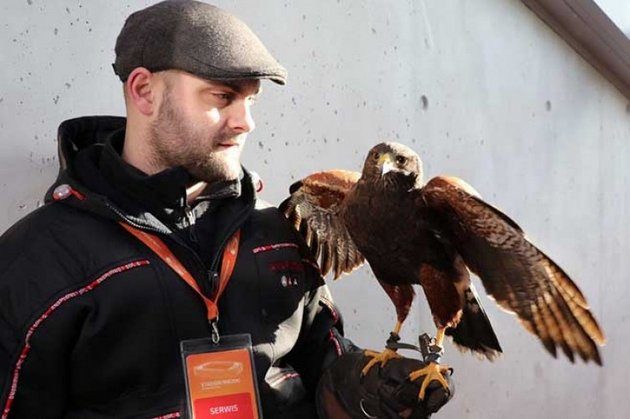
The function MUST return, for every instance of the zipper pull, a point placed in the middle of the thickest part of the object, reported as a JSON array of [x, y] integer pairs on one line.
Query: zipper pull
[[215, 331], [213, 279]]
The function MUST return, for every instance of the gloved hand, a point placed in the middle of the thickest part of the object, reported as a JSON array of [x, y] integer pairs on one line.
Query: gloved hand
[[383, 393]]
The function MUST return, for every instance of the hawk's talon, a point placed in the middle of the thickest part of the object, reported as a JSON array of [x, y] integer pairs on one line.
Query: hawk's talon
[[378, 357], [432, 372]]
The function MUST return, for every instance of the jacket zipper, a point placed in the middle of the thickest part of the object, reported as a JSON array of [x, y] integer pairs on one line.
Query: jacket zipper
[[212, 274], [196, 258], [213, 324], [190, 217], [233, 227]]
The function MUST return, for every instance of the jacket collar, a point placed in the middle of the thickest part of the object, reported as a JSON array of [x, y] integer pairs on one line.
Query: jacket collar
[[90, 152], [166, 189], [164, 193]]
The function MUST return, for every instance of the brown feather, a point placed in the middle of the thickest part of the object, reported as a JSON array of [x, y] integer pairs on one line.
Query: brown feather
[[314, 208], [402, 296], [442, 295], [545, 326], [519, 276]]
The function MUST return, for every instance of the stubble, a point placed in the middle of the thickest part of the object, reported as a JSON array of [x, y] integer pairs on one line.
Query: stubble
[[177, 142]]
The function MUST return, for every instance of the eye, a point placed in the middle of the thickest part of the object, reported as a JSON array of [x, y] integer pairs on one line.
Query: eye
[[375, 156], [401, 160], [218, 98], [223, 96]]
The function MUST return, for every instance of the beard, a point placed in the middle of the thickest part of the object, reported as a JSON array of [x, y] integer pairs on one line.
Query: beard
[[178, 142]]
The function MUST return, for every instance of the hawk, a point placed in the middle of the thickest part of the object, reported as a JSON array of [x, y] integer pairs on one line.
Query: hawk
[[433, 235]]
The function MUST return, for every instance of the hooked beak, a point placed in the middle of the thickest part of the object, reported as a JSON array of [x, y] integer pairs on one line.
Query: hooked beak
[[386, 163]]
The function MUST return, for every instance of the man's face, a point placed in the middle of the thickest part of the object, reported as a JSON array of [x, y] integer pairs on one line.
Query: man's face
[[202, 125]]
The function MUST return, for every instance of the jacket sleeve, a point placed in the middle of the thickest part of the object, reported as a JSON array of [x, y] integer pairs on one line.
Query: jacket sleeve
[[37, 332], [34, 367], [321, 339]]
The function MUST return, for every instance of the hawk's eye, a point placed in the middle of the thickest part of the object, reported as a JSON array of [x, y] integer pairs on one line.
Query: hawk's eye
[[401, 160], [376, 156]]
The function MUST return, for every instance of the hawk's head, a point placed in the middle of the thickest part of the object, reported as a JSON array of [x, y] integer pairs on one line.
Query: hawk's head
[[393, 163]]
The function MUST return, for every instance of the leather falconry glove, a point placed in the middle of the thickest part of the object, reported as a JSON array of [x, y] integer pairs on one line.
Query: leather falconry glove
[[385, 392]]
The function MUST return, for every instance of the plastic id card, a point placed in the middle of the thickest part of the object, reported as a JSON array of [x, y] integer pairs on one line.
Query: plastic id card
[[220, 378]]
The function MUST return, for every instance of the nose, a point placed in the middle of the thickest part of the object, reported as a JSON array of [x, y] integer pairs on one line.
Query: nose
[[240, 118]]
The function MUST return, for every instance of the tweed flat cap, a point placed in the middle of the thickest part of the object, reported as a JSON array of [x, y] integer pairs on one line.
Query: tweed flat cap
[[195, 37]]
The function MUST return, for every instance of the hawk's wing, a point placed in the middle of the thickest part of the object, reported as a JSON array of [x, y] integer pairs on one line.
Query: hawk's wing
[[313, 208], [520, 277]]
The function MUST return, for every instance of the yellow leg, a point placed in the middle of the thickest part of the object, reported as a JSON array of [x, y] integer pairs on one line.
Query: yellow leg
[[433, 371], [439, 338], [381, 357]]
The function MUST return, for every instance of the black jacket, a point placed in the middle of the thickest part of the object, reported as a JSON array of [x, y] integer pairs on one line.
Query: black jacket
[[91, 319]]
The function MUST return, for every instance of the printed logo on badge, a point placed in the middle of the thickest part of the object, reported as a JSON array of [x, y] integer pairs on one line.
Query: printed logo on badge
[[221, 382]]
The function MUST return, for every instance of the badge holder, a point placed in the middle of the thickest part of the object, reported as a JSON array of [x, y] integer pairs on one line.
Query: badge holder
[[220, 378]]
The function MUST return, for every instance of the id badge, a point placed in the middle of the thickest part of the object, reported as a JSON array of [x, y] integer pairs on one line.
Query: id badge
[[220, 378]]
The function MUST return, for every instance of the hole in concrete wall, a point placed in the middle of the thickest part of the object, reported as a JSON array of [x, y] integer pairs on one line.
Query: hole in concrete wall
[[425, 102]]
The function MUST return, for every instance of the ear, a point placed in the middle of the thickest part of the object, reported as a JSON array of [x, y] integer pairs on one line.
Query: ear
[[142, 91]]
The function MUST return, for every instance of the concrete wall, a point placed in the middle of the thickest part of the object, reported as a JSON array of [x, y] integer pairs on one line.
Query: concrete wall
[[480, 88]]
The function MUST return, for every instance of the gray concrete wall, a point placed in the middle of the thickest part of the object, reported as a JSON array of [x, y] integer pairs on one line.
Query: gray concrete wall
[[481, 89]]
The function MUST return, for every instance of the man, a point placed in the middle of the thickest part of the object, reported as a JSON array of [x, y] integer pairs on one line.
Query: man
[[91, 318]]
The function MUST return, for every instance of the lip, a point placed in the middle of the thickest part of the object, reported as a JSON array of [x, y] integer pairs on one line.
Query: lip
[[228, 145]]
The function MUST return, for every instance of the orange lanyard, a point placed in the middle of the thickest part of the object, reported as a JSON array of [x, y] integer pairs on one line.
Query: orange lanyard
[[227, 267]]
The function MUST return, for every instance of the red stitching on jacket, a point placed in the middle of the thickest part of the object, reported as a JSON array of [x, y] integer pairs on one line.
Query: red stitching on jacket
[[286, 265], [274, 246], [284, 378], [169, 416], [331, 307], [336, 342], [77, 194], [47, 313]]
